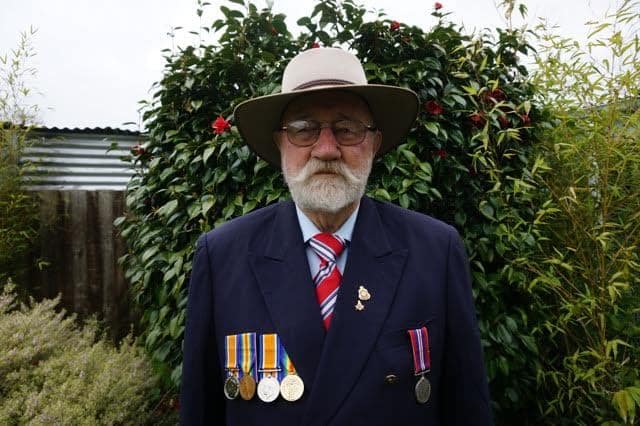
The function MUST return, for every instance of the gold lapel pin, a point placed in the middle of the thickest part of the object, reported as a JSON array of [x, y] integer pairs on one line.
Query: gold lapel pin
[[363, 294], [359, 306]]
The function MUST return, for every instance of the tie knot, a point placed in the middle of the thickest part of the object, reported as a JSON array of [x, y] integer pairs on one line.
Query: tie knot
[[327, 246]]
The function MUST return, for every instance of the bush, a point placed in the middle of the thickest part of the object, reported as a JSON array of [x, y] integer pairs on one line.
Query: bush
[[54, 372], [469, 161], [18, 209], [586, 275]]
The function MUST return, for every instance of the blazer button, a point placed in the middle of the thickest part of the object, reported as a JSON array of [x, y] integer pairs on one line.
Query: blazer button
[[391, 379]]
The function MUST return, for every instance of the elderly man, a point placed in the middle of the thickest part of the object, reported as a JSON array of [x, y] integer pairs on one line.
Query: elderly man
[[331, 309]]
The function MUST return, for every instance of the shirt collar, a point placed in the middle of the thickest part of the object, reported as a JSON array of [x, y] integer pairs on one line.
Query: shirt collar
[[309, 229]]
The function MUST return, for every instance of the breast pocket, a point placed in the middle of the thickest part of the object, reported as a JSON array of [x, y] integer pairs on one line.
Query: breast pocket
[[393, 349]]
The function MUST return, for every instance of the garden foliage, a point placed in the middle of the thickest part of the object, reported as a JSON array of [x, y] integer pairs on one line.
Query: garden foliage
[[470, 161], [586, 275], [18, 209], [54, 372]]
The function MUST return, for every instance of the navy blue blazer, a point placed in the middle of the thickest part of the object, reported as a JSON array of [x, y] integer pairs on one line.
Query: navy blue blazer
[[252, 275]]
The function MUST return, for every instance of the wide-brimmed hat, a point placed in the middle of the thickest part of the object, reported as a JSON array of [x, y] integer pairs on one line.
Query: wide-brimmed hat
[[394, 108]]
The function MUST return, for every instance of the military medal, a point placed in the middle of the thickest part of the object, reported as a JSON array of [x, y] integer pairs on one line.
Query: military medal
[[292, 386], [421, 362], [269, 386], [231, 384], [363, 293], [247, 354]]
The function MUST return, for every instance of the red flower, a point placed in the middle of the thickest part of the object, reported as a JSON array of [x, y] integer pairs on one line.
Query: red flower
[[437, 5], [315, 45], [495, 96], [395, 26], [220, 125], [477, 119], [504, 121], [440, 153], [274, 31], [137, 150], [526, 120], [433, 108]]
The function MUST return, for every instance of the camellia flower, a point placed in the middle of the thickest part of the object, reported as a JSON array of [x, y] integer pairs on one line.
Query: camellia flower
[[504, 121], [220, 125], [433, 108], [315, 45], [137, 150], [395, 26], [441, 153], [437, 5], [496, 96], [477, 119]]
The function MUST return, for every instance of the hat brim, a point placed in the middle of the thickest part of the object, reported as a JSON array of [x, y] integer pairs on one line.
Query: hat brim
[[394, 111]]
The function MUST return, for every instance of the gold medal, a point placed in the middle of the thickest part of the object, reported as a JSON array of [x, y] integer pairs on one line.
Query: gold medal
[[363, 293], [247, 387], [268, 389], [423, 390], [292, 387], [231, 387]]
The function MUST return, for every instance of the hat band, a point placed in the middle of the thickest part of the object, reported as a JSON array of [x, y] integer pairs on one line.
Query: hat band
[[326, 82]]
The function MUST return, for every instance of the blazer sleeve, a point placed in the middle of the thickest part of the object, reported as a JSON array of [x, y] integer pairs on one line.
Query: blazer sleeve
[[466, 392], [201, 397]]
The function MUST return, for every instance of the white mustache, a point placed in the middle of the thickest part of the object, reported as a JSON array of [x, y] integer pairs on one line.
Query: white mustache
[[315, 166]]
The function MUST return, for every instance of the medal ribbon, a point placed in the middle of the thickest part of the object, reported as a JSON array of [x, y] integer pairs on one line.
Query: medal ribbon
[[420, 349], [269, 351], [247, 353], [231, 353], [286, 364]]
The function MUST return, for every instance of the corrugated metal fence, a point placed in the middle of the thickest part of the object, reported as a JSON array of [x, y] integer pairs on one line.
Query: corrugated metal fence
[[79, 159], [81, 190]]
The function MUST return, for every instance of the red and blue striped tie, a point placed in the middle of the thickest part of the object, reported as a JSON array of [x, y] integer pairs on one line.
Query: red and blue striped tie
[[327, 280]]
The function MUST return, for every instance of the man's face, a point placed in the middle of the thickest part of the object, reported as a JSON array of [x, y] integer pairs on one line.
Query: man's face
[[327, 176]]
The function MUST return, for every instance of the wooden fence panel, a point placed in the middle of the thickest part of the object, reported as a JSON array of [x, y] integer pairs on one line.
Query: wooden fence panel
[[78, 239]]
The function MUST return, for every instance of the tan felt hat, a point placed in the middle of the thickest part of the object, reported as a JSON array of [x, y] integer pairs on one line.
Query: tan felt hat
[[394, 108]]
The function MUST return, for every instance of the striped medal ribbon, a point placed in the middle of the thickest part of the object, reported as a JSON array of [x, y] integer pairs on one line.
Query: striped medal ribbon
[[421, 362], [291, 386], [232, 383], [248, 371], [269, 386]]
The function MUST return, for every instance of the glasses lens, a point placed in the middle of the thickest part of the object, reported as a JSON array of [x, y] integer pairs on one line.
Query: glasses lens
[[348, 132], [302, 132]]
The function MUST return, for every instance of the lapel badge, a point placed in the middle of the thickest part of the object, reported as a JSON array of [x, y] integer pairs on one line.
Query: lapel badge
[[359, 306], [363, 294]]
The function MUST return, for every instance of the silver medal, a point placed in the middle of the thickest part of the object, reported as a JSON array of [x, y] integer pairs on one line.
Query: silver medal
[[268, 389], [423, 390]]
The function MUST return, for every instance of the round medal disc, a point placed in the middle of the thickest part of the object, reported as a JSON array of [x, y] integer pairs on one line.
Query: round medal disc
[[423, 390], [292, 387], [247, 387], [231, 387], [268, 389]]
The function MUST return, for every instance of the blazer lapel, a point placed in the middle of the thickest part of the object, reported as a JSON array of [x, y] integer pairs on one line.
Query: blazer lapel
[[282, 272], [375, 265]]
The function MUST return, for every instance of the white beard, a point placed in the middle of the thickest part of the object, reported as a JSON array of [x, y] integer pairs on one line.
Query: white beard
[[326, 193]]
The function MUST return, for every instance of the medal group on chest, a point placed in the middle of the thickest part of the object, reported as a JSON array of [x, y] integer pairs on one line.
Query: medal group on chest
[[260, 367]]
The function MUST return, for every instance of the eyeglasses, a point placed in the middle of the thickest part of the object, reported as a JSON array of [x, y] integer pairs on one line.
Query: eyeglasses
[[306, 132]]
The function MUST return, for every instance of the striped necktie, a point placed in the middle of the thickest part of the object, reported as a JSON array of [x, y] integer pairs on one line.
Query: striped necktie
[[327, 280]]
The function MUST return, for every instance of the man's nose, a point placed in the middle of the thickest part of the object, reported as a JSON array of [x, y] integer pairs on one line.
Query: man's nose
[[326, 148]]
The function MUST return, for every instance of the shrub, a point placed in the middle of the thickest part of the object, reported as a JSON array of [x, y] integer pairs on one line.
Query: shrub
[[469, 161], [18, 209], [54, 372], [586, 275]]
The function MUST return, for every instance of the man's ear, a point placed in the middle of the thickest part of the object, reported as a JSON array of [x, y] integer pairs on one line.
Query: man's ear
[[377, 142], [277, 138]]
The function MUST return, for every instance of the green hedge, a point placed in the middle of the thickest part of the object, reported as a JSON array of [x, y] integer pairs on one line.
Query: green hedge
[[469, 161]]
